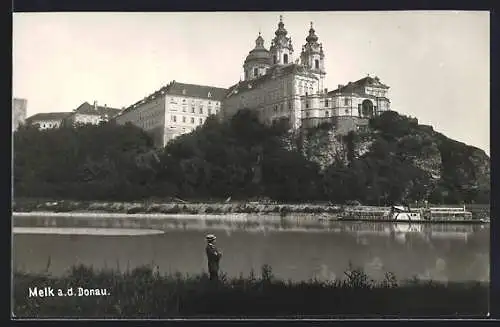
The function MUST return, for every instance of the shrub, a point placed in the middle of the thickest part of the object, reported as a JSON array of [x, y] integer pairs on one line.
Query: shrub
[[144, 293]]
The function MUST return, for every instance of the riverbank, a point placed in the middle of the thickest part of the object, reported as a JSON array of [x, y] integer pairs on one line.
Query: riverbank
[[156, 207], [143, 293]]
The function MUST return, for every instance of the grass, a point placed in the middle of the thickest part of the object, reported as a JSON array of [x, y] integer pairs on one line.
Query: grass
[[144, 293]]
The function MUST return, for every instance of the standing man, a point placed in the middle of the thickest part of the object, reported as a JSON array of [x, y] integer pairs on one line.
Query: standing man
[[213, 256]]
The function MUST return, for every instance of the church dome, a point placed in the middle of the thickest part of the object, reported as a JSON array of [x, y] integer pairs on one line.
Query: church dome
[[259, 54]]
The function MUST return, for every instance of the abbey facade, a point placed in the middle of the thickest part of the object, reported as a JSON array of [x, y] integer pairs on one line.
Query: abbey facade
[[281, 85], [277, 85]]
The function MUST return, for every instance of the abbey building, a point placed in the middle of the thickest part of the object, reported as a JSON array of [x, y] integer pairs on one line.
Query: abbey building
[[282, 85], [279, 84]]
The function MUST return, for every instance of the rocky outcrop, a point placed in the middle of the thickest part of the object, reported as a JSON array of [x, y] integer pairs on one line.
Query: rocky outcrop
[[445, 165]]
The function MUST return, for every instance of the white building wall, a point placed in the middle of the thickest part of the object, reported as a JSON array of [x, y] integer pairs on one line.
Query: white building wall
[[185, 114], [87, 119], [47, 124], [149, 116], [276, 98]]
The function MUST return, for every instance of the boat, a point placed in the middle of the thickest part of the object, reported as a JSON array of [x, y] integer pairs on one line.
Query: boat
[[457, 215]]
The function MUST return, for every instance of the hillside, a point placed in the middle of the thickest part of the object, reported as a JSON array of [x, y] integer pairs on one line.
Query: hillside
[[398, 152], [395, 160]]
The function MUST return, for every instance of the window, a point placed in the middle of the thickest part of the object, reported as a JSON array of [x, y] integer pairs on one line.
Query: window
[[289, 105], [201, 110], [276, 108], [183, 119], [307, 104], [255, 72], [346, 102], [327, 113], [275, 59], [192, 120], [201, 120], [307, 113], [209, 111], [285, 58], [174, 119], [209, 95], [347, 111], [326, 103], [184, 92], [316, 64]]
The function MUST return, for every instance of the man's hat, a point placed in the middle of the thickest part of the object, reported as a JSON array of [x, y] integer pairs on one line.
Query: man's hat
[[210, 237]]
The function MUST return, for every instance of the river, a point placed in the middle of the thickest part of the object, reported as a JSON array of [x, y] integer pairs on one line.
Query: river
[[440, 252]]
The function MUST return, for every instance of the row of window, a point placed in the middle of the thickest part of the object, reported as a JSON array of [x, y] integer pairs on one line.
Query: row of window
[[285, 59], [377, 93], [147, 124], [192, 120], [149, 114], [200, 110], [346, 111], [327, 113], [192, 101], [347, 102]]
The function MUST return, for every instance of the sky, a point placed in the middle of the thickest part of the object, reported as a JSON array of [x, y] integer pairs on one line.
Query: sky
[[437, 63]]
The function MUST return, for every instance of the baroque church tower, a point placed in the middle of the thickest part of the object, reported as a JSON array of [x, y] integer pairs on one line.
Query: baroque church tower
[[281, 46], [313, 57]]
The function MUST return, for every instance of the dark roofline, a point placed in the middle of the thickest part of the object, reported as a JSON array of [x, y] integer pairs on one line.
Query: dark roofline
[[164, 90], [48, 116]]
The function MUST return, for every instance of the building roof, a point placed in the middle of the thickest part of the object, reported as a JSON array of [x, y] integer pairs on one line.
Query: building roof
[[48, 116], [259, 54], [183, 89], [88, 109], [196, 91], [274, 72], [359, 85]]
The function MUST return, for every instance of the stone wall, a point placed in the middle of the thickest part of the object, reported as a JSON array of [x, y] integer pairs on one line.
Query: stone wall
[[346, 124]]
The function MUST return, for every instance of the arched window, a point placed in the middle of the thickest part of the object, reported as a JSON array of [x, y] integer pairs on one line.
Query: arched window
[[285, 58], [316, 64]]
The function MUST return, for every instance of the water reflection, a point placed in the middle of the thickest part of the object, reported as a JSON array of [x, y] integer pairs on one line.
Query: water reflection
[[85, 231], [298, 251]]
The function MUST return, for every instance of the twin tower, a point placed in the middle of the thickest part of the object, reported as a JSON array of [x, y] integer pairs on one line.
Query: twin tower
[[259, 60]]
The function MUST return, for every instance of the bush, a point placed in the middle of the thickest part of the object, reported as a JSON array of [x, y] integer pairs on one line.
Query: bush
[[144, 293]]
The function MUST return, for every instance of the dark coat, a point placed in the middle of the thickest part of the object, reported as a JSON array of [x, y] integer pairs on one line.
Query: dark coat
[[213, 256]]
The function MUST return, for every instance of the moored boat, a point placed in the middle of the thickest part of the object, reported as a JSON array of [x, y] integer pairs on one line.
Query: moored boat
[[457, 215]]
